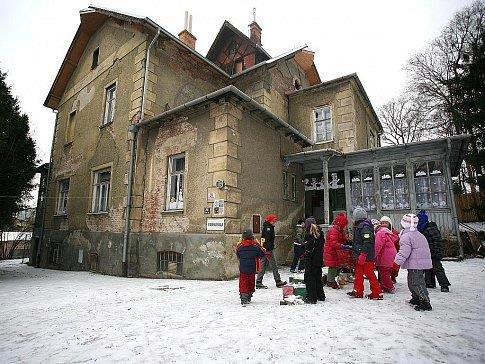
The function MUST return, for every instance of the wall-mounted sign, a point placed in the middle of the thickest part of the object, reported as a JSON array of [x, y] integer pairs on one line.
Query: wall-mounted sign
[[215, 224], [211, 195], [219, 207], [207, 210]]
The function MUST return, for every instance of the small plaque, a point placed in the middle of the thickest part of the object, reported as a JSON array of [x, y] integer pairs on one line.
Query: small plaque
[[211, 195], [207, 210], [215, 224]]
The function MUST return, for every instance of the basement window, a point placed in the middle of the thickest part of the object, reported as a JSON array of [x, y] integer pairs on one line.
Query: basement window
[[95, 60], [170, 262], [101, 186]]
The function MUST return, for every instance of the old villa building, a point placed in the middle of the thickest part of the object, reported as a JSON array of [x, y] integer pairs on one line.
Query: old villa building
[[161, 156]]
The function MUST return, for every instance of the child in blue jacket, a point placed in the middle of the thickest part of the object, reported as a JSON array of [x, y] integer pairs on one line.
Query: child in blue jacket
[[248, 252]]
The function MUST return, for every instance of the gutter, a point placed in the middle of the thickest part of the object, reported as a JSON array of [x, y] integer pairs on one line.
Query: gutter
[[134, 132], [213, 95]]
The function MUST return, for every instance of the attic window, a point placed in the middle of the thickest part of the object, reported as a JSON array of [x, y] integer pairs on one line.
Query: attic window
[[238, 66], [296, 84], [94, 64]]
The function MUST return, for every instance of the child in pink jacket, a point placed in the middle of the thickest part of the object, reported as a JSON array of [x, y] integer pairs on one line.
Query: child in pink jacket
[[385, 252]]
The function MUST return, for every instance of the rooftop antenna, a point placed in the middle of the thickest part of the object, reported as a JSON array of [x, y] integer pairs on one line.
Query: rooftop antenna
[[254, 14]]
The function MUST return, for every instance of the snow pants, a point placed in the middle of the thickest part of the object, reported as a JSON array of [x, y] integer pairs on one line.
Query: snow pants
[[274, 267], [298, 250], [437, 271], [417, 286], [384, 278], [333, 272], [246, 282], [366, 269], [313, 283]]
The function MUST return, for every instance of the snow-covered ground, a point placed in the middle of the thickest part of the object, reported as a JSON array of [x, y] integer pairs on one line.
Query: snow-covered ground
[[57, 317]]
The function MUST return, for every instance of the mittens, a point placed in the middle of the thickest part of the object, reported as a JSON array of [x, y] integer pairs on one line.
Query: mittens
[[347, 247]]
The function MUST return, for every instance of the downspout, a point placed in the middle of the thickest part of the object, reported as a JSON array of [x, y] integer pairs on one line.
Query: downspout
[[44, 203], [134, 132]]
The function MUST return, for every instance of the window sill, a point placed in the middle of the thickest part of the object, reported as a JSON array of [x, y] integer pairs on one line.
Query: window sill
[[103, 126], [325, 141], [98, 213], [170, 212], [61, 215]]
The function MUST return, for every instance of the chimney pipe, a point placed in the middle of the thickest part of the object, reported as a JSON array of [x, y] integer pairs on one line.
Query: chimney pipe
[[186, 35]]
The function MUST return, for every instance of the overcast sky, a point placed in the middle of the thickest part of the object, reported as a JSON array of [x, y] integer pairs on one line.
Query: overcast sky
[[372, 38]]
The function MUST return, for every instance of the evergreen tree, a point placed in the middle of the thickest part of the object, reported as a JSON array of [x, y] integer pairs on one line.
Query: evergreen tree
[[17, 156]]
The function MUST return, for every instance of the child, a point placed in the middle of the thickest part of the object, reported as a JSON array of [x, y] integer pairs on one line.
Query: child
[[414, 255], [313, 262], [386, 222], [363, 251], [334, 240], [432, 234], [385, 251], [247, 251], [268, 239], [298, 247]]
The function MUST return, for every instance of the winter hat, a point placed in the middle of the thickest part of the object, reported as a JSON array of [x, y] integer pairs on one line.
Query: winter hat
[[409, 221], [271, 218], [310, 221], [359, 214], [386, 219], [341, 220], [247, 234], [423, 220], [376, 223]]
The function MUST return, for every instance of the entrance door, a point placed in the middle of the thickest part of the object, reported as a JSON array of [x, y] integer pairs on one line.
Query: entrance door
[[336, 193]]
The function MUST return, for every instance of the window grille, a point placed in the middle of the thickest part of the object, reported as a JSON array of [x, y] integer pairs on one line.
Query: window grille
[[170, 262]]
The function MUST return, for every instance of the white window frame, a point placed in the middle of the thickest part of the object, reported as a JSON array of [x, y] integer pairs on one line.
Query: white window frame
[[109, 103], [63, 197], [100, 202], [327, 124], [178, 203], [293, 188], [286, 192]]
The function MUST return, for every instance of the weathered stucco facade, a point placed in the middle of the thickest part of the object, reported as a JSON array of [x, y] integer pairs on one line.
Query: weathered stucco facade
[[208, 150]]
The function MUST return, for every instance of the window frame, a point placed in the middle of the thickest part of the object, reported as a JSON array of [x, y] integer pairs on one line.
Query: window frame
[[293, 187], [171, 173], [95, 59], [96, 198], [428, 178], [323, 121], [361, 189], [393, 181], [164, 257], [62, 197], [109, 104], [71, 124], [286, 192]]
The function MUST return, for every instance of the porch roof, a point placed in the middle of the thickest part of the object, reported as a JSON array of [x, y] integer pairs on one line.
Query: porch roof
[[456, 146]]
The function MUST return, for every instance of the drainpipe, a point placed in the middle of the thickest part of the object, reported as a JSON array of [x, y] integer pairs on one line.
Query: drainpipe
[[134, 132], [38, 253]]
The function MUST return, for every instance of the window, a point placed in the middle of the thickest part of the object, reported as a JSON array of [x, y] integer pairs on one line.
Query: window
[[71, 124], [256, 224], [94, 63], [175, 188], [429, 182], [323, 124], [238, 66], [362, 189], [63, 197], [394, 187], [109, 107], [55, 253], [296, 84], [372, 139], [101, 190], [171, 262], [293, 188], [285, 186]]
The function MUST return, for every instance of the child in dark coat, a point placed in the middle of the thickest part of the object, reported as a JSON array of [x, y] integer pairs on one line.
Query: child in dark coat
[[298, 247], [248, 251], [313, 262]]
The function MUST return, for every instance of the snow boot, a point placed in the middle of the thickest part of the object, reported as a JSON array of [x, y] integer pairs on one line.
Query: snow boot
[[333, 285], [307, 300], [375, 296], [430, 286], [280, 284], [413, 301], [261, 286], [354, 294], [423, 306], [445, 289]]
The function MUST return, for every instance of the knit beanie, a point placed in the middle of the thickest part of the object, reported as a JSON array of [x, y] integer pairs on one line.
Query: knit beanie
[[409, 221], [341, 220], [271, 218], [423, 220], [247, 234], [386, 219], [309, 222], [359, 214]]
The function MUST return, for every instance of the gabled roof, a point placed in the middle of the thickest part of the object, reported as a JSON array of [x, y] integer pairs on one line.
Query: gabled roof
[[229, 30]]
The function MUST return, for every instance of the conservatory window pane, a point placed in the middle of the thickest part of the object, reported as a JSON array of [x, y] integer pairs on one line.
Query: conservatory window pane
[[387, 188]]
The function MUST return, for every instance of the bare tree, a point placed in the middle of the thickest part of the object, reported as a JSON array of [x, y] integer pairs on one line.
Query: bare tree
[[404, 120]]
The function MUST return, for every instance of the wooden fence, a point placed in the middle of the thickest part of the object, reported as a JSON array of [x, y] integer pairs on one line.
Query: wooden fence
[[470, 207]]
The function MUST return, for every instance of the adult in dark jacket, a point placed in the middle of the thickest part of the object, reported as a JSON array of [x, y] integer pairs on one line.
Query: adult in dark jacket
[[430, 230], [313, 262], [364, 252], [247, 251], [267, 239]]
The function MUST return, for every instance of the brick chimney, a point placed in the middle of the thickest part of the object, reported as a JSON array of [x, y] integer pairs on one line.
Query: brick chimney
[[186, 35], [255, 32]]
